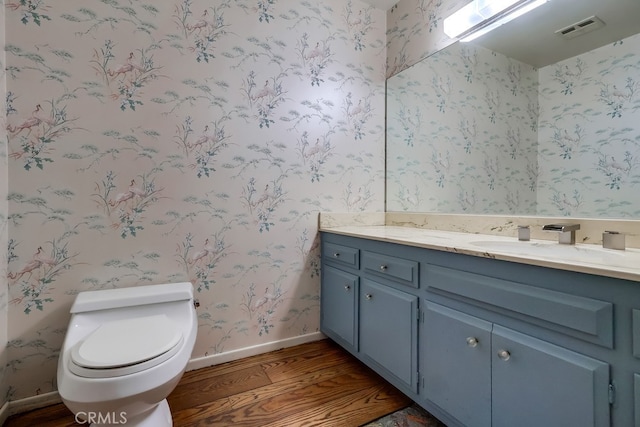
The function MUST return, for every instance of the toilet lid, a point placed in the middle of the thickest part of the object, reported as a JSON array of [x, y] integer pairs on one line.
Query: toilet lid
[[121, 345]]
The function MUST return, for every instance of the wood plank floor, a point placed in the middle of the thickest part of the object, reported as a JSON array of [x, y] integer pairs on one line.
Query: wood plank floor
[[314, 384]]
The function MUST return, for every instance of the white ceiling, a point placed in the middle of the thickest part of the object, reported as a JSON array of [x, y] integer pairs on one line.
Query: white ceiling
[[381, 4], [531, 38]]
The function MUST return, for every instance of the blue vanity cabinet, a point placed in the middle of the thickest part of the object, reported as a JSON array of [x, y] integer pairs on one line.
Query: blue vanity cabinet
[[486, 375], [482, 342], [338, 299], [339, 292], [455, 357], [388, 332], [535, 383]]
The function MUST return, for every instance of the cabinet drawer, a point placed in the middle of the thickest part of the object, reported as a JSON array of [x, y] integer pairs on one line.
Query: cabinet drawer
[[340, 254], [402, 270], [584, 318]]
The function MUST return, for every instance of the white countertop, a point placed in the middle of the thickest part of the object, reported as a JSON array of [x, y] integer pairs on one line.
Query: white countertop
[[584, 258]]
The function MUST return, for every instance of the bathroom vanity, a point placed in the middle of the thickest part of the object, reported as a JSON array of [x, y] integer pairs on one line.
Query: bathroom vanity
[[481, 333]]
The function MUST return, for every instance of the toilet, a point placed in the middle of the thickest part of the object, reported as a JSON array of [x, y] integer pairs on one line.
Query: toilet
[[125, 350]]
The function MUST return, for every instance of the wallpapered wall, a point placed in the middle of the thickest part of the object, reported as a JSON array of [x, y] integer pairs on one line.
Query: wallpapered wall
[[589, 158], [3, 222], [156, 142], [462, 134]]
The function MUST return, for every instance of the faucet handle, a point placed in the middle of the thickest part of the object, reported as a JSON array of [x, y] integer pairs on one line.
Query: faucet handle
[[524, 233], [613, 240]]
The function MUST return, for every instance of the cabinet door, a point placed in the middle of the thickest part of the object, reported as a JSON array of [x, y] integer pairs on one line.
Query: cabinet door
[[388, 330], [455, 360], [536, 383], [338, 305]]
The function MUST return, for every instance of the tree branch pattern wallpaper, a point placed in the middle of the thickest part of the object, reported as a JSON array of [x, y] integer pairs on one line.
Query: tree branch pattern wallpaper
[[3, 223], [462, 134], [182, 141]]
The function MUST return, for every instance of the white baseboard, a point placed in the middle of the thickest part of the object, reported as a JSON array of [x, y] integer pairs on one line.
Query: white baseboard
[[52, 398], [4, 413], [31, 403], [216, 359]]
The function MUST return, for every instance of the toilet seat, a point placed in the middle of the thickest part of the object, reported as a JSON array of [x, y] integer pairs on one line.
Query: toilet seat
[[126, 346]]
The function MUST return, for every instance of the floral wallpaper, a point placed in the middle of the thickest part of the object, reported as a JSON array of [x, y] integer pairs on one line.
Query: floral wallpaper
[[462, 134], [184, 140], [589, 135], [3, 222], [415, 31]]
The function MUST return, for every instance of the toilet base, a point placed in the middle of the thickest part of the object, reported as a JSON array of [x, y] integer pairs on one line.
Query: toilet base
[[159, 416]]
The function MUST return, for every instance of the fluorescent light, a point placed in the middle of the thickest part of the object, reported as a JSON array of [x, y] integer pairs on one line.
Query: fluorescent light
[[462, 20], [481, 16]]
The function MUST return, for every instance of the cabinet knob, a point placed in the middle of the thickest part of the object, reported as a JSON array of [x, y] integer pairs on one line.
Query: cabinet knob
[[336, 255], [504, 355], [347, 288], [383, 268], [368, 296], [472, 341]]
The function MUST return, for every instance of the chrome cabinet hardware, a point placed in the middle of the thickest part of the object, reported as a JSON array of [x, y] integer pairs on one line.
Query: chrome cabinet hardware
[[504, 355]]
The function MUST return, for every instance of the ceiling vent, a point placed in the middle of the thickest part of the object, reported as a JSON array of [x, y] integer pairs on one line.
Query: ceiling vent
[[579, 28]]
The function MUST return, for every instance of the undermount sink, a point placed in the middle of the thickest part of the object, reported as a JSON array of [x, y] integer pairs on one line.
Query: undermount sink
[[558, 252]]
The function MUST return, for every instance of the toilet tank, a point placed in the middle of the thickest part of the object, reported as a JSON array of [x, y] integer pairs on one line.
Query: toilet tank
[[134, 296]]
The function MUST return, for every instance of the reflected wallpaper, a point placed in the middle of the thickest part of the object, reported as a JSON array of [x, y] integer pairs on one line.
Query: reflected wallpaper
[[472, 131], [153, 142], [589, 159], [462, 133]]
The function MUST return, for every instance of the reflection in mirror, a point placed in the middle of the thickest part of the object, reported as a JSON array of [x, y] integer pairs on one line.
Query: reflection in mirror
[[555, 132]]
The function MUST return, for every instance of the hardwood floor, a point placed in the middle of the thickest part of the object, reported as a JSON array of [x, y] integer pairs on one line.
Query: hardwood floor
[[314, 384]]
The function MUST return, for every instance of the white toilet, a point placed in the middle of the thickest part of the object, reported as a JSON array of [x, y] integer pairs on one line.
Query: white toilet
[[125, 351]]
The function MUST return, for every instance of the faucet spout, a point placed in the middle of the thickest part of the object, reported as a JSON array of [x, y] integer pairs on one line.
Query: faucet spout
[[567, 232]]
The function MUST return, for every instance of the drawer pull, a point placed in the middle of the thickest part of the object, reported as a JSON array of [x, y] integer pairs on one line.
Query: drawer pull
[[472, 341], [336, 255], [368, 296], [347, 288], [383, 268], [504, 355]]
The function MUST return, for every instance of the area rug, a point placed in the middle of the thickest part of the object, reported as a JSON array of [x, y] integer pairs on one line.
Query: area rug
[[411, 416]]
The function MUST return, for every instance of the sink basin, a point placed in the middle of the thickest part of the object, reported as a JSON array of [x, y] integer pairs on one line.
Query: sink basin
[[558, 252]]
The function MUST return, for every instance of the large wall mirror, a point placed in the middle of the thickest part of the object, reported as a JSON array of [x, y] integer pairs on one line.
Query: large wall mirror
[[523, 120]]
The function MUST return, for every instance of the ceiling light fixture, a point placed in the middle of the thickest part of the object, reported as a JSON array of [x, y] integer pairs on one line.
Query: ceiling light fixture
[[481, 16]]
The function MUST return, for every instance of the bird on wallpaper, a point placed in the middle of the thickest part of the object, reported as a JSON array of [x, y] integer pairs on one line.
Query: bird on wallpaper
[[137, 191], [125, 68], [200, 23], [205, 137], [615, 165], [264, 197], [265, 299], [264, 92], [356, 21], [619, 94], [357, 109], [316, 52], [317, 148], [32, 121], [206, 249], [123, 197], [29, 267], [40, 256]]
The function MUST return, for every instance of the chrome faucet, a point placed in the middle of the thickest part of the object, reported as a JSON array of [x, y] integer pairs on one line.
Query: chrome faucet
[[567, 232]]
